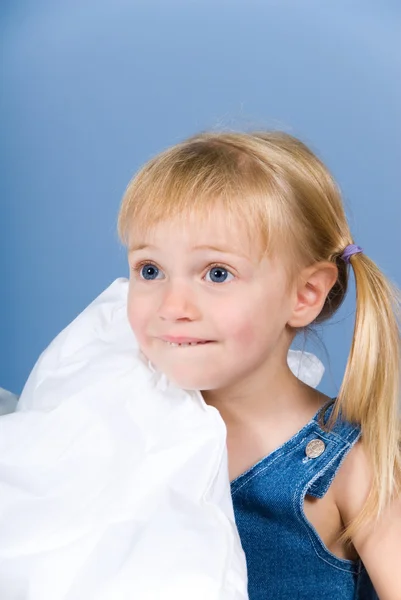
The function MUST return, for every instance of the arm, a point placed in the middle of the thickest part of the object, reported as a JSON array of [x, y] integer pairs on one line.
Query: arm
[[379, 544]]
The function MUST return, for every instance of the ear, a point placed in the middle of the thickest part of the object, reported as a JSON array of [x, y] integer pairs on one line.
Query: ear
[[314, 284]]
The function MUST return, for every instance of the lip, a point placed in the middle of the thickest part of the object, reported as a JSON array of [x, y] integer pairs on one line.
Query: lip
[[183, 340]]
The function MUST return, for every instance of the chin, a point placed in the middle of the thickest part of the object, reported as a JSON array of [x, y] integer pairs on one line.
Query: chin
[[195, 381], [187, 383], [203, 374], [187, 380]]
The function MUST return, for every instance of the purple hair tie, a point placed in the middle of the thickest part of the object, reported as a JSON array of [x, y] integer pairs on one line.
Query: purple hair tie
[[349, 251]]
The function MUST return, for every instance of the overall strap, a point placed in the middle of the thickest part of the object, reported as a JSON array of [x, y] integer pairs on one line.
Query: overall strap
[[345, 435]]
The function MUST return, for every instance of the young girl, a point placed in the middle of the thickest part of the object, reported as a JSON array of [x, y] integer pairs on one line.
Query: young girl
[[237, 242]]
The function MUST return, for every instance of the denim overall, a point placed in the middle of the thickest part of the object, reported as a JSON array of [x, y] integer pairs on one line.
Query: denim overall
[[285, 556]]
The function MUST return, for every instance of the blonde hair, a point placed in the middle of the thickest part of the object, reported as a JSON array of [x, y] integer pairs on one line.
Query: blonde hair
[[282, 191]]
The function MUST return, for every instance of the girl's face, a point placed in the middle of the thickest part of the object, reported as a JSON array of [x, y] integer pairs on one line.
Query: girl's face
[[205, 308]]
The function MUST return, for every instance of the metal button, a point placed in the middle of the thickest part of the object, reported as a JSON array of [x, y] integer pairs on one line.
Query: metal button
[[315, 448]]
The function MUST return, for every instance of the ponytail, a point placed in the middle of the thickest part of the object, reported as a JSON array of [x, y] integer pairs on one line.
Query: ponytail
[[370, 391]]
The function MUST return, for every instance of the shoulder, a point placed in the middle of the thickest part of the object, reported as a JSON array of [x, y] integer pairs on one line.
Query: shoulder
[[378, 543], [353, 482]]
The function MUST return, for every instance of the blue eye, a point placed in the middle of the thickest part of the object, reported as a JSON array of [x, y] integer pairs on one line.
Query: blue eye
[[150, 272], [218, 275]]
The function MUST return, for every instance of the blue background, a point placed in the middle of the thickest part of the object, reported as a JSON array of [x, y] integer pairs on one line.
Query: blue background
[[90, 89]]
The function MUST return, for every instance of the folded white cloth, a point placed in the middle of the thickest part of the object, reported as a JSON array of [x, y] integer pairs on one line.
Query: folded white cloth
[[113, 482]]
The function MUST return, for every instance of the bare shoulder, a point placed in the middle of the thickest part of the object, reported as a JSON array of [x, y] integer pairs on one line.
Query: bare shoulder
[[378, 543], [353, 482]]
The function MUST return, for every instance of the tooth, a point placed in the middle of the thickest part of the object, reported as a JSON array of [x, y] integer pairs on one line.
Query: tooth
[[185, 344]]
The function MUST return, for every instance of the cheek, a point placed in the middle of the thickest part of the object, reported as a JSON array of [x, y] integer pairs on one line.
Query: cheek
[[244, 333], [257, 322], [138, 315], [240, 325]]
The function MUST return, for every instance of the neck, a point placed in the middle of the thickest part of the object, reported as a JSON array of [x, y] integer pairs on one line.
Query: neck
[[272, 393]]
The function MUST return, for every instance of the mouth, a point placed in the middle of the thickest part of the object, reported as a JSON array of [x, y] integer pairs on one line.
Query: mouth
[[174, 345], [181, 342]]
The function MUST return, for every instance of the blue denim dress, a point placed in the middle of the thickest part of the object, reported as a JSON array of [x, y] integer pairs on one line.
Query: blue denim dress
[[285, 556]]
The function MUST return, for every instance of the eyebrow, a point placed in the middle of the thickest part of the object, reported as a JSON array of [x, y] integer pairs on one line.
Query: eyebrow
[[221, 249], [137, 247], [224, 250]]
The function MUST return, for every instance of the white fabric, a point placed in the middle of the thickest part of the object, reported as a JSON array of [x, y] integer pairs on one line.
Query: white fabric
[[8, 402], [114, 483]]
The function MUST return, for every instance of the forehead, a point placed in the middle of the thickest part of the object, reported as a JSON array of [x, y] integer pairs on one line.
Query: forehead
[[217, 229]]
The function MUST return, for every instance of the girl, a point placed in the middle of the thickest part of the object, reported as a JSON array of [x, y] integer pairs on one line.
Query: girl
[[237, 242]]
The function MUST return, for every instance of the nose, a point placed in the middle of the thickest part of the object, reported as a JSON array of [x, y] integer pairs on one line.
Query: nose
[[178, 303]]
